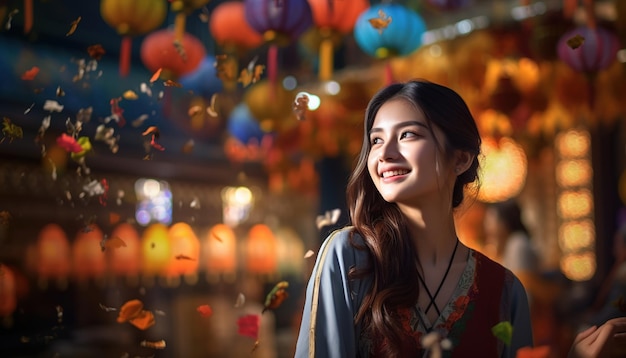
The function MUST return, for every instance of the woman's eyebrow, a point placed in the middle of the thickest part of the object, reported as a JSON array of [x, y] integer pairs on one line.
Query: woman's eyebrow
[[400, 125]]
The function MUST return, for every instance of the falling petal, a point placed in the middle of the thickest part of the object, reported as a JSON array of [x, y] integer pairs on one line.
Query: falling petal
[[29, 75], [154, 345], [73, 26], [308, 254], [503, 331], [130, 95], [156, 75], [106, 308], [277, 295], [205, 310], [241, 300], [575, 42]]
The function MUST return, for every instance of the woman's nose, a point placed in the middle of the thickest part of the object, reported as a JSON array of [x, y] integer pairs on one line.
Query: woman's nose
[[389, 151]]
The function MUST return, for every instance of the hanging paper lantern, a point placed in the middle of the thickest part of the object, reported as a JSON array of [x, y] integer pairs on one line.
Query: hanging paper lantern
[[400, 37], [8, 295], [185, 250], [243, 126], [155, 249], [230, 29], [131, 18], [88, 260], [124, 259], [182, 8], [261, 251], [203, 80], [333, 19], [449, 5], [221, 251], [271, 106], [597, 52], [503, 169], [398, 32], [280, 22], [158, 51], [53, 253]]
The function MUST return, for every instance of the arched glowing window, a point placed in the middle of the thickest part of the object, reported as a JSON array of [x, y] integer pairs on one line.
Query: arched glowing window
[[261, 250], [124, 255], [154, 202], [155, 249], [220, 252], [185, 250], [237, 203], [88, 258], [52, 253]]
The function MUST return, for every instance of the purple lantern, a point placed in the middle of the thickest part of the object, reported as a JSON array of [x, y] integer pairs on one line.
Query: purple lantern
[[597, 52], [276, 20]]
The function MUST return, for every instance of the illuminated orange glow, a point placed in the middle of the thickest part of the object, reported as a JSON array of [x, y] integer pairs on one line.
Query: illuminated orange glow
[[185, 250], [503, 169], [221, 250], [88, 258], [261, 251], [125, 260], [52, 252], [155, 249]]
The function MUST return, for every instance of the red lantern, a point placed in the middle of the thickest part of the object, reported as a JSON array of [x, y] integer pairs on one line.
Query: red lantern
[[230, 29], [158, 51], [53, 253], [8, 295], [124, 260], [88, 259], [132, 18], [261, 251], [185, 250], [333, 18], [221, 251]]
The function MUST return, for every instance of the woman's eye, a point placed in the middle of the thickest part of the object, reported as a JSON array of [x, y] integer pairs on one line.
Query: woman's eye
[[374, 140], [408, 134]]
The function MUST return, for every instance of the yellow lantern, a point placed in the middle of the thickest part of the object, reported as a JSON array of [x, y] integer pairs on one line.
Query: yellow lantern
[[155, 249], [261, 251], [184, 250], [503, 169], [221, 252]]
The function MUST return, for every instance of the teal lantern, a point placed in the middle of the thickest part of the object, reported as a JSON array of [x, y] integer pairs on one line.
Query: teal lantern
[[386, 30]]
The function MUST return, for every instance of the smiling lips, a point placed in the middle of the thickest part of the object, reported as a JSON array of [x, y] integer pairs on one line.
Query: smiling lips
[[393, 173]]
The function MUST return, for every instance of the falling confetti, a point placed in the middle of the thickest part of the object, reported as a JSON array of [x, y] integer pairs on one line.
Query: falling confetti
[[226, 68], [154, 345], [309, 253], [132, 311], [251, 74], [73, 26], [277, 295], [170, 83], [30, 75], [139, 121], [96, 51], [205, 311], [211, 110], [52, 106], [10, 18], [249, 325], [107, 308], [503, 331], [112, 243], [241, 300], [381, 22], [10, 130], [130, 95], [27, 110], [330, 217], [575, 42], [301, 105], [154, 133]]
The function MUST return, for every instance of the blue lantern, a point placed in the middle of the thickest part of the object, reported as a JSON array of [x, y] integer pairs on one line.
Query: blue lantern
[[242, 126], [400, 35], [203, 81]]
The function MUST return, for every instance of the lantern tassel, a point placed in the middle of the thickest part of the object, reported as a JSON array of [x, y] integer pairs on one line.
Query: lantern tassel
[[28, 16], [388, 73], [179, 26], [272, 68], [590, 14], [125, 53], [326, 60]]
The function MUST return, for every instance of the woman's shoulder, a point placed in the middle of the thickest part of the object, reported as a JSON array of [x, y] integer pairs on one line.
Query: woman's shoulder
[[345, 243], [495, 267]]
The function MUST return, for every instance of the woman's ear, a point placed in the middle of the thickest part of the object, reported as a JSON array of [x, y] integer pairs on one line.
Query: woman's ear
[[462, 161]]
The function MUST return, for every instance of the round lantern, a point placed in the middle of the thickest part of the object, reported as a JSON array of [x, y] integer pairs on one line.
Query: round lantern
[[220, 252], [261, 250], [332, 18], [158, 51], [242, 126], [53, 253], [280, 22], [155, 249], [132, 18], [203, 81], [597, 52], [271, 106], [503, 169], [399, 33], [185, 250], [88, 259], [230, 29], [8, 295], [124, 260], [182, 8]]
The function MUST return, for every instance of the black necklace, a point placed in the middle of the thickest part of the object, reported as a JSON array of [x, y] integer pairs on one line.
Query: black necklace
[[432, 298]]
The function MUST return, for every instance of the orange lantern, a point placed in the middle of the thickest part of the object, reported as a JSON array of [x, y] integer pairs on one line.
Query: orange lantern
[[124, 260], [230, 29], [261, 251], [155, 249], [132, 18], [8, 296], [221, 251], [184, 252], [333, 19], [88, 259], [159, 51], [182, 8], [52, 253]]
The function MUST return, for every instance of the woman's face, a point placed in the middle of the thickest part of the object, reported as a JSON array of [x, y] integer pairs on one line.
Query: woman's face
[[405, 162]]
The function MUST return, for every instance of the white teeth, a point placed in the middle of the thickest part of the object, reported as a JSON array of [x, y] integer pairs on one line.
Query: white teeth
[[391, 173]]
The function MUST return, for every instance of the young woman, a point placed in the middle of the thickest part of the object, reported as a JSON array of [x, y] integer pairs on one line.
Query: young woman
[[399, 271]]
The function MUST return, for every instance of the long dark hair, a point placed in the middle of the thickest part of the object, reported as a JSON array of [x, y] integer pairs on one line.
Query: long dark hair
[[381, 224]]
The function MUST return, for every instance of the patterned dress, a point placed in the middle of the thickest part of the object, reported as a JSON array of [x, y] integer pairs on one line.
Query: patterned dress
[[486, 295]]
